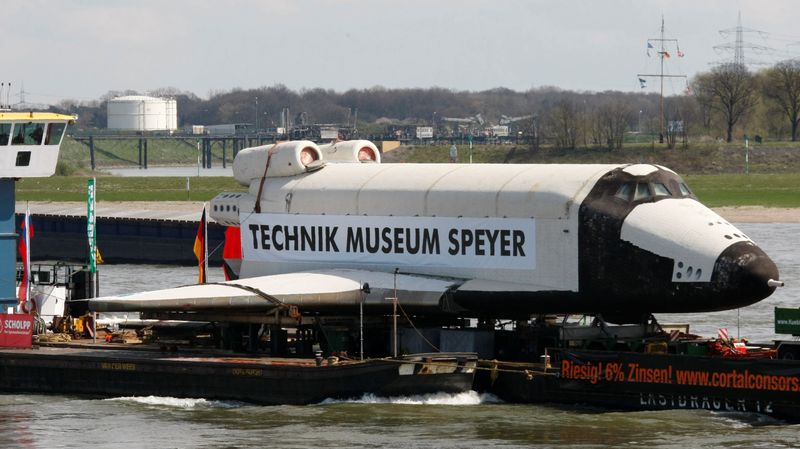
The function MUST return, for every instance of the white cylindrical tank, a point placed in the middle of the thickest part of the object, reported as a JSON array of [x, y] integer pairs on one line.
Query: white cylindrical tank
[[351, 151], [142, 113], [288, 159]]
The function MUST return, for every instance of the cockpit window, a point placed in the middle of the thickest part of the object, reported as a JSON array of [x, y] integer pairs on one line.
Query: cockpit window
[[54, 133], [5, 131], [625, 192], [651, 190], [642, 191], [660, 189], [28, 133]]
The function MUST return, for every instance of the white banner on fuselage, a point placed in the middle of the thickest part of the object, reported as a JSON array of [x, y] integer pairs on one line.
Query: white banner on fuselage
[[391, 241]]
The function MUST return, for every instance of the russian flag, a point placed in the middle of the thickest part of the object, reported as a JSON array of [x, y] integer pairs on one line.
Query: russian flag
[[24, 252]]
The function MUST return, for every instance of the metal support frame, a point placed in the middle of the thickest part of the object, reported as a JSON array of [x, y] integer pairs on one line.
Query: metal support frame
[[143, 153], [8, 243], [91, 151], [208, 146], [237, 144], [224, 152], [203, 152]]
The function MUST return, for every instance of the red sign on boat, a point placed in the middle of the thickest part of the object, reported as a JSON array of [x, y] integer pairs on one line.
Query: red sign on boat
[[16, 330]]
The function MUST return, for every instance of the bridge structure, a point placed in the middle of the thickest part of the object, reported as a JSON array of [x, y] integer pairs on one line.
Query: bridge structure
[[230, 145]]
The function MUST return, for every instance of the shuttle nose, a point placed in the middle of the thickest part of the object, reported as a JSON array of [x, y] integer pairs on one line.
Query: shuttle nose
[[744, 274]]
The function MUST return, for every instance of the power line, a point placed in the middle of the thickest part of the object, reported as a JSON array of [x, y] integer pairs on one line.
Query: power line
[[738, 45]]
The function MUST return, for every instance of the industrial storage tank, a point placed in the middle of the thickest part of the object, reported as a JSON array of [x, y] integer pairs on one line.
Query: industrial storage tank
[[142, 113]]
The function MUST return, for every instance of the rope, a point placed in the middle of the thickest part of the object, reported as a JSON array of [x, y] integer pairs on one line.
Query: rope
[[397, 300], [518, 364], [263, 178], [415, 327], [277, 302], [319, 325], [211, 253], [526, 372]]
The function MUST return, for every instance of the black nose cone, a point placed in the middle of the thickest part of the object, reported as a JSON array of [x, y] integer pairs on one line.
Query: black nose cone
[[742, 274]]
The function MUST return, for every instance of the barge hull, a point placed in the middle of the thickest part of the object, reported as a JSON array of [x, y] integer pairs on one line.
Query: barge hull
[[642, 381], [114, 373]]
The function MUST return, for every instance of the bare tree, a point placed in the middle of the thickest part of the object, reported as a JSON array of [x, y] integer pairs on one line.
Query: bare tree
[[781, 84], [679, 114], [532, 128], [564, 124], [596, 127], [704, 100], [613, 117], [731, 89]]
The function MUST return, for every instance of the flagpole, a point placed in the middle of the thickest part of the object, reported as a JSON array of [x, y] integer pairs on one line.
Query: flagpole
[[200, 248], [663, 54], [92, 234], [205, 243], [94, 258], [27, 267], [94, 225]]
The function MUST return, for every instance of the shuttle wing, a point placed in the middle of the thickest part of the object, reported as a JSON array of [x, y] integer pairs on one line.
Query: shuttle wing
[[306, 290]]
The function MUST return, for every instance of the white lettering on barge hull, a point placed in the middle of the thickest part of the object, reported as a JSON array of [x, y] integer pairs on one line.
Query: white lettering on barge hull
[[386, 240]]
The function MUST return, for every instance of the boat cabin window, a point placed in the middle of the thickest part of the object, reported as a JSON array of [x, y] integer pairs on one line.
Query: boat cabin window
[[660, 189], [54, 133], [23, 159], [28, 133], [5, 132], [625, 192], [642, 191], [684, 189]]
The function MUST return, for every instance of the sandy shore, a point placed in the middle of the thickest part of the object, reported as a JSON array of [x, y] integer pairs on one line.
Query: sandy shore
[[759, 214]]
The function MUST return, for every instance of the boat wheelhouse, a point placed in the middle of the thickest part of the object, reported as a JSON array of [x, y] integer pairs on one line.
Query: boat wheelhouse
[[29, 143]]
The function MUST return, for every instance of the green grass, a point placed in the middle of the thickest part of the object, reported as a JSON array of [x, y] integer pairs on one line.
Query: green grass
[[125, 152], [778, 190], [117, 188]]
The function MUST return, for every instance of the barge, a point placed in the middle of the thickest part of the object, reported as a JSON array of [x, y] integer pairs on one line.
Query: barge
[[66, 352], [647, 368], [478, 259], [111, 370], [640, 381]]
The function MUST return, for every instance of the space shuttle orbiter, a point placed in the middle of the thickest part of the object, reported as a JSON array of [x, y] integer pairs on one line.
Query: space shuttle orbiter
[[318, 223]]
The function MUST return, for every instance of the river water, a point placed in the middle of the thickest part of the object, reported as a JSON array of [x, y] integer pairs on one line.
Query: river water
[[437, 421]]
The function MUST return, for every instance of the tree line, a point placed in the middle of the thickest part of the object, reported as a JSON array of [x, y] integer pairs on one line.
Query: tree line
[[725, 102]]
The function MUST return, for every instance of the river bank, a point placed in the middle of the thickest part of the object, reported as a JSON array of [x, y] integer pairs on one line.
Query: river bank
[[759, 214]]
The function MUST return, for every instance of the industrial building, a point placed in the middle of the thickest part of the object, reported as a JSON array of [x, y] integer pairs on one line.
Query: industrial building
[[142, 113]]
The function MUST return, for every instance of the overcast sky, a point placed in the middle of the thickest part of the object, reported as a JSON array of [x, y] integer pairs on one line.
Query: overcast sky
[[82, 49]]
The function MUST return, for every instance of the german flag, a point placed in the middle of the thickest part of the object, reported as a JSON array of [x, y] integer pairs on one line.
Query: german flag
[[200, 248]]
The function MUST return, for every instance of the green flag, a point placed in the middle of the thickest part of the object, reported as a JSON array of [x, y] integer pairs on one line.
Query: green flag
[[90, 227]]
